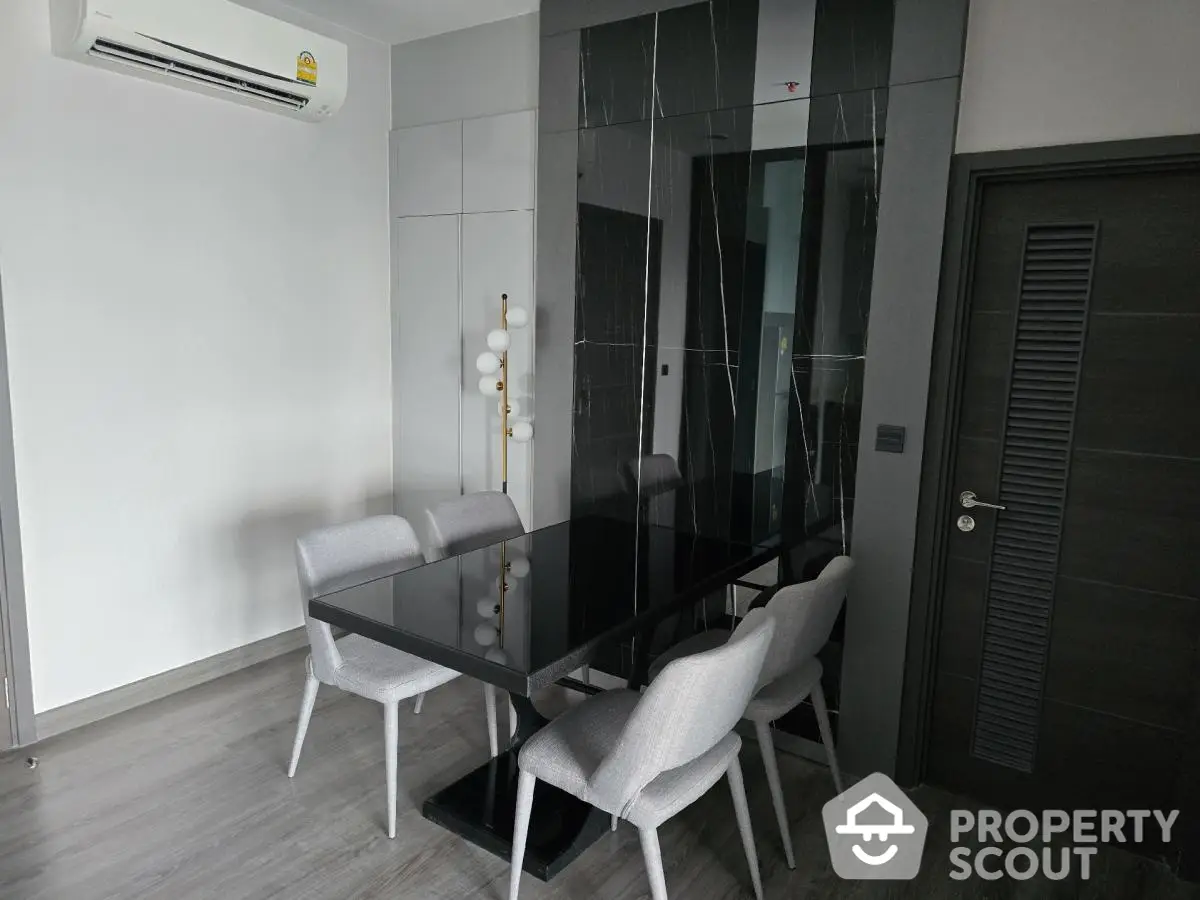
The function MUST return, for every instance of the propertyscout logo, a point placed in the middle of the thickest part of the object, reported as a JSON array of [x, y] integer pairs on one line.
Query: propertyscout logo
[[876, 832]]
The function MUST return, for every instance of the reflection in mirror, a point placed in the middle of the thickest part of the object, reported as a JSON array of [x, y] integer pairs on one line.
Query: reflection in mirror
[[723, 269]]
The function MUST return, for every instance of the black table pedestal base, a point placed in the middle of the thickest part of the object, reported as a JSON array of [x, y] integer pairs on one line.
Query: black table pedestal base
[[482, 805]]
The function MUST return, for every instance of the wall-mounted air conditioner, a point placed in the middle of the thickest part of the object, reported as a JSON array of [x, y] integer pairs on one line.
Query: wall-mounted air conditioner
[[212, 46]]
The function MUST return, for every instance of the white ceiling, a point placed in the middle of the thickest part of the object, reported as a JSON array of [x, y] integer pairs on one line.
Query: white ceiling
[[397, 21]]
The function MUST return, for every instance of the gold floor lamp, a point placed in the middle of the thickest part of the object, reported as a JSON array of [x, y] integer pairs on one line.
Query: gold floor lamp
[[492, 365]]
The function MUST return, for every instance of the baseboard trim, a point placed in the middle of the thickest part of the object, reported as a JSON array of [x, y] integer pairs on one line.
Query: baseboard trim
[[92, 709]]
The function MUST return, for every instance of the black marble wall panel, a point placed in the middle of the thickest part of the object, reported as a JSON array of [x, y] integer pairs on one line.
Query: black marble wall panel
[[571, 15], [660, 98], [745, 234], [722, 266], [852, 47], [691, 59], [616, 317]]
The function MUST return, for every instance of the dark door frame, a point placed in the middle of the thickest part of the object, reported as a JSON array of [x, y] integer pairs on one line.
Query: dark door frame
[[970, 174]]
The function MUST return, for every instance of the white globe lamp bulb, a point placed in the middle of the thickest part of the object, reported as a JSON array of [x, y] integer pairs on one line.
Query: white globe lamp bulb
[[518, 567], [518, 317], [489, 385], [522, 432], [485, 635], [487, 363], [486, 607], [496, 655], [499, 340], [514, 408]]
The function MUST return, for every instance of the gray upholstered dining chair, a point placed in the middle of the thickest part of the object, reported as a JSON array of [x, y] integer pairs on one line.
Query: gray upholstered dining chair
[[646, 757], [467, 523], [342, 556], [470, 522], [805, 615]]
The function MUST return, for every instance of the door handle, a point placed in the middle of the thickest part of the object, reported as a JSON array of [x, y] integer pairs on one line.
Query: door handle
[[967, 499]]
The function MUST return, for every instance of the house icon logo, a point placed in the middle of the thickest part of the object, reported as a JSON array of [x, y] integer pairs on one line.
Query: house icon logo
[[875, 831]]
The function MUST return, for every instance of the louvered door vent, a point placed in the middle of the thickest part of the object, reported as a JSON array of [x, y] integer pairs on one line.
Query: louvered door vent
[[1055, 287]]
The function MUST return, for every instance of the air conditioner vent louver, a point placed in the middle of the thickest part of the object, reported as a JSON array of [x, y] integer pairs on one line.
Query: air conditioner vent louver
[[133, 56]]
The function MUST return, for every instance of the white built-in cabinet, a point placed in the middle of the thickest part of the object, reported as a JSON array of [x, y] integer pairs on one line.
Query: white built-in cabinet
[[462, 204]]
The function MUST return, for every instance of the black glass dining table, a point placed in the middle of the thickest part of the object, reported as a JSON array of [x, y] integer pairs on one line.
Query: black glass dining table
[[525, 613]]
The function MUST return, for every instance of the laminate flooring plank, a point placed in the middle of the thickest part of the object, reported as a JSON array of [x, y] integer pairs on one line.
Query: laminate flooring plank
[[187, 798]]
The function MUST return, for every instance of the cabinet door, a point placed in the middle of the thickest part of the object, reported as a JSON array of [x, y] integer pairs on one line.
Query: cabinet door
[[497, 259], [498, 155], [427, 356], [427, 176]]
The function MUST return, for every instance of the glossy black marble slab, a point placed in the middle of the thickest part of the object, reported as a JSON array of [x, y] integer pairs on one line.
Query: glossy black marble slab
[[852, 48], [559, 16], [848, 118], [728, 174], [570, 588], [746, 313], [689, 59]]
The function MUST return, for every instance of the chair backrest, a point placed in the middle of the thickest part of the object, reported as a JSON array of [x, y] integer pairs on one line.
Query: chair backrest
[[659, 473], [472, 521], [340, 556], [804, 616], [694, 703]]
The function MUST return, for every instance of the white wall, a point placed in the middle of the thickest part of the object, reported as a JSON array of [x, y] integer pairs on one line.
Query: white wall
[[1039, 73], [196, 298], [463, 195]]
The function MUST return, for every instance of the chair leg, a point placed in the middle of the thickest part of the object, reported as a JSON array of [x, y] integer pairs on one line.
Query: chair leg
[[489, 702], [391, 740], [767, 745], [512, 719], [614, 822], [420, 703], [306, 708], [737, 787], [525, 785], [585, 674], [654, 864], [818, 702]]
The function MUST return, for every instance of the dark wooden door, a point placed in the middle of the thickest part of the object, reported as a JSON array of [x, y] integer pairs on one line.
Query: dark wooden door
[[1067, 651]]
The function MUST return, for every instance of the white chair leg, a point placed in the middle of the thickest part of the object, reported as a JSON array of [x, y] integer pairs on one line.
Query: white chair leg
[[420, 703], [525, 785], [767, 746], [512, 719], [818, 702], [306, 707], [614, 822], [391, 741], [737, 787], [585, 674], [654, 864], [489, 702]]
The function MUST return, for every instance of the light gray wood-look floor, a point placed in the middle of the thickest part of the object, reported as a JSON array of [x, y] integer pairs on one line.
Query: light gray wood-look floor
[[188, 798]]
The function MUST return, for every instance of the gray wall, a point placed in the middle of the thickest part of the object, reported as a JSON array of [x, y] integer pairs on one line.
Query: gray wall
[[464, 74], [923, 103], [1040, 73], [554, 348]]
